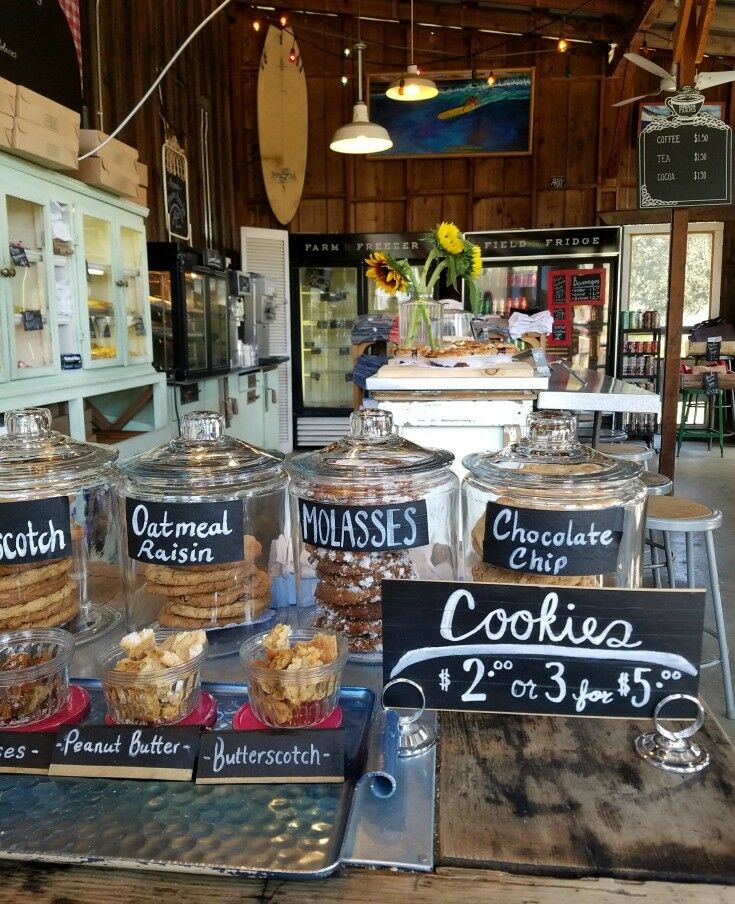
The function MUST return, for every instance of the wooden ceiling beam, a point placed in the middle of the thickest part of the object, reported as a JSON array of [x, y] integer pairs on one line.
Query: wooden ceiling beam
[[634, 36], [704, 23], [686, 8], [717, 45]]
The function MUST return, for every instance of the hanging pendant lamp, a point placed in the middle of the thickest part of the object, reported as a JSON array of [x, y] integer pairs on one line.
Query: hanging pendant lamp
[[412, 86], [360, 136]]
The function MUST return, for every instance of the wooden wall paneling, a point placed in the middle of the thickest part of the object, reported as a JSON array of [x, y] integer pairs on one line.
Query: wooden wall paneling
[[549, 209], [582, 131], [579, 206], [488, 213], [551, 141], [517, 213]]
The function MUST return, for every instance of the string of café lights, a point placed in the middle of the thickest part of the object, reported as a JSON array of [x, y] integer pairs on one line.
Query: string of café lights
[[280, 17]]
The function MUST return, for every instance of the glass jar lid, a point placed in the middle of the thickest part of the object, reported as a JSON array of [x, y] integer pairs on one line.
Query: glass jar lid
[[35, 459], [550, 455], [371, 449], [202, 458]]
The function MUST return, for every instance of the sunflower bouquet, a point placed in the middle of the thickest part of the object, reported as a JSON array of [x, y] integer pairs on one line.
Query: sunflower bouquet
[[450, 253]]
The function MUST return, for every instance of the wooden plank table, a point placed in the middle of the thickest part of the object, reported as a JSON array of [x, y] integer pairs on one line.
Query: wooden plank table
[[564, 796], [531, 810]]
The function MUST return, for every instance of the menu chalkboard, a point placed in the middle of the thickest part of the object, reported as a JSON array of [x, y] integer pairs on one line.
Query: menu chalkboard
[[559, 290], [537, 649], [35, 530], [685, 161], [587, 287], [711, 383], [714, 346]]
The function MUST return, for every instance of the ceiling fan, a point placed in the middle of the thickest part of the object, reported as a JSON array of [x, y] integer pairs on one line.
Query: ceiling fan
[[668, 79]]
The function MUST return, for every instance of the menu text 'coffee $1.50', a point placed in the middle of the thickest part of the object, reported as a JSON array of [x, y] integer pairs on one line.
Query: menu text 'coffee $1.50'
[[541, 649], [184, 533]]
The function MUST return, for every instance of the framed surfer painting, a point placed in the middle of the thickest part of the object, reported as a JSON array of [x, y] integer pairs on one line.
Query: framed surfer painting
[[648, 111], [468, 118]]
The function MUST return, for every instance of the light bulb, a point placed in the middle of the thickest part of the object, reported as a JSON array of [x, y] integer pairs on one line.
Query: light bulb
[[344, 80], [256, 25], [347, 51], [490, 79], [562, 45], [283, 20], [292, 55]]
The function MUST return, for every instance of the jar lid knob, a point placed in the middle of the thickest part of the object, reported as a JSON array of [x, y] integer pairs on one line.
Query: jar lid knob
[[28, 421], [202, 426], [371, 423], [552, 430]]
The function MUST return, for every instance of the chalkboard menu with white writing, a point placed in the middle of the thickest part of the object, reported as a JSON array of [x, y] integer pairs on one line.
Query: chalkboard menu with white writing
[[587, 287], [559, 283], [184, 533], [540, 649], [364, 528], [34, 530], [26, 751], [685, 160], [711, 383], [714, 348], [545, 541]]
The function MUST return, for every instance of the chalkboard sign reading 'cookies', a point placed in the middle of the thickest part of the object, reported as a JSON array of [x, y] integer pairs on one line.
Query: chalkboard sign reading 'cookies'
[[184, 533], [549, 542], [545, 650], [364, 528], [34, 530]]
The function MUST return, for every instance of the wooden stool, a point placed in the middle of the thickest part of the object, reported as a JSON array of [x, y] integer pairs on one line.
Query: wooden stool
[[628, 452], [670, 514]]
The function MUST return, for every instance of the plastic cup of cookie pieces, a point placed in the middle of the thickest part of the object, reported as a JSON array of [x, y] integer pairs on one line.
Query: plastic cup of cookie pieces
[[292, 698], [150, 698], [31, 693]]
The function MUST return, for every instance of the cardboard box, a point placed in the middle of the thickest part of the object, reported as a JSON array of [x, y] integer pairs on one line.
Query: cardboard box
[[7, 97], [6, 131], [43, 146], [115, 154], [98, 172], [37, 109], [142, 170]]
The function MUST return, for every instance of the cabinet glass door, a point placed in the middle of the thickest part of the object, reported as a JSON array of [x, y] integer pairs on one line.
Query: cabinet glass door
[[162, 329], [328, 301], [219, 322], [103, 325], [133, 290], [31, 326], [196, 322], [65, 283]]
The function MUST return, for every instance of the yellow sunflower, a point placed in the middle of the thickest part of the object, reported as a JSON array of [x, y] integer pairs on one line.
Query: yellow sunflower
[[449, 238], [382, 269], [476, 261]]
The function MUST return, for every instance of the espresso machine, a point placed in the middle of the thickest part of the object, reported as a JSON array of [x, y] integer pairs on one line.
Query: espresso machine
[[242, 311]]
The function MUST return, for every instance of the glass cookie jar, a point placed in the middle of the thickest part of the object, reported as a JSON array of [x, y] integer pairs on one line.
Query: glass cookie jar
[[369, 507], [201, 518], [58, 529], [548, 510]]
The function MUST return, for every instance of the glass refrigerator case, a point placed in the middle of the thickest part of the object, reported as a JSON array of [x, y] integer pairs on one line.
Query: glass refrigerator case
[[328, 306], [189, 312]]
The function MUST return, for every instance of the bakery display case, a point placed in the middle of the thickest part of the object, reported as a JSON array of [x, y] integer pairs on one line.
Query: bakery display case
[[102, 313], [200, 518], [57, 510], [371, 506], [549, 510]]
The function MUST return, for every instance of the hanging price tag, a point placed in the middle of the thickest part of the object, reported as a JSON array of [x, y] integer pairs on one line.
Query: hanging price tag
[[714, 344], [711, 382]]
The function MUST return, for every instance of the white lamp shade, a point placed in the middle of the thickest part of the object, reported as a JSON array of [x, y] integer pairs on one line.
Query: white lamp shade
[[412, 87], [360, 136]]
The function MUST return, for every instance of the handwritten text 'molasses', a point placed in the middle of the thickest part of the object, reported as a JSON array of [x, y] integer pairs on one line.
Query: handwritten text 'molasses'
[[370, 528]]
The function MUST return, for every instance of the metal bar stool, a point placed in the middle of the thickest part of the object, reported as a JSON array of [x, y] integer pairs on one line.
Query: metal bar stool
[[656, 485], [628, 452], [670, 515]]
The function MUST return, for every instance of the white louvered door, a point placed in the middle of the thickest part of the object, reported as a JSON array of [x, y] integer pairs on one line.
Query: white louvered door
[[265, 251]]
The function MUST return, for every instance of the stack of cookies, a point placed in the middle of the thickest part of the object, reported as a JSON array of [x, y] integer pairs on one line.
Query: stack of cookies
[[37, 595], [209, 596], [348, 591]]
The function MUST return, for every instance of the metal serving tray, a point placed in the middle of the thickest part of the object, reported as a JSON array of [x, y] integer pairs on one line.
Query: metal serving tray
[[287, 831]]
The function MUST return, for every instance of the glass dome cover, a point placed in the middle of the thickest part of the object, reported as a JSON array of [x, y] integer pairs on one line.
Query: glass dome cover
[[552, 452], [35, 459], [371, 449], [201, 459]]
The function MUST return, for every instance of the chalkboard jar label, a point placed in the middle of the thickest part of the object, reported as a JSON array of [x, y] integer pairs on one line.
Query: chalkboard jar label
[[35, 530], [364, 528], [184, 533], [548, 542]]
